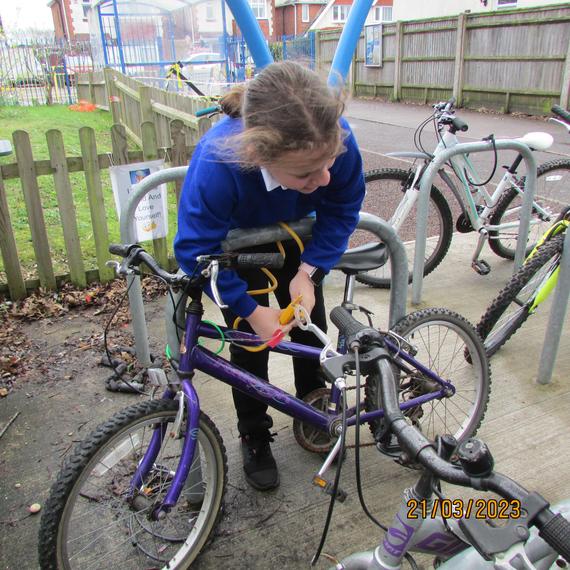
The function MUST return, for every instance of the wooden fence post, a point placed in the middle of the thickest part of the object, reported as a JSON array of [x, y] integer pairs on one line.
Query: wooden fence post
[[145, 104], [113, 94], [178, 154], [565, 85], [120, 144], [16, 284], [96, 203], [27, 169], [66, 207], [398, 61], [91, 80], [150, 152], [459, 51]]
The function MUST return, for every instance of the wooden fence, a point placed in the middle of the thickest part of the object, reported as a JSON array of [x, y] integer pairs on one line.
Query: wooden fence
[[133, 102], [59, 166], [517, 60]]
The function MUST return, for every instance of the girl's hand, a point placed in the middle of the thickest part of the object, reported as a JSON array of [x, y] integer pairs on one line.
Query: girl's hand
[[302, 285], [265, 321]]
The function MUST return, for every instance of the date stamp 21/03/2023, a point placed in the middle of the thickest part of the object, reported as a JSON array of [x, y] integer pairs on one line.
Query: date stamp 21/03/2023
[[457, 508]]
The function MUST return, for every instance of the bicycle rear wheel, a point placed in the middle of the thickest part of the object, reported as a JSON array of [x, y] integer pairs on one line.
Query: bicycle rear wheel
[[93, 519], [384, 191], [512, 306], [552, 194], [447, 344]]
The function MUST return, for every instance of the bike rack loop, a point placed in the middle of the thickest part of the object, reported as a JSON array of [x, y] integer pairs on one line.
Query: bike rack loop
[[557, 317], [245, 238], [423, 202]]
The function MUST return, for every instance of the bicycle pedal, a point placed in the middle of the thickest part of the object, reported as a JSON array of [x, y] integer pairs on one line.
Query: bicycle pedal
[[481, 267], [327, 487]]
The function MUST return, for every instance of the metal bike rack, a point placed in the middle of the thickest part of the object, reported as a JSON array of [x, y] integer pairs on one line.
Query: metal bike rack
[[423, 202], [557, 317], [246, 238]]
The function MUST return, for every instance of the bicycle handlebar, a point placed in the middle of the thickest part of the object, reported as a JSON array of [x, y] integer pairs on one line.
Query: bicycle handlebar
[[553, 528], [207, 111], [562, 113]]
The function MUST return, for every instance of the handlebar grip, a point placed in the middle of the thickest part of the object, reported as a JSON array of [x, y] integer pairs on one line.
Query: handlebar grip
[[255, 260], [355, 332], [122, 249], [459, 124], [207, 111], [562, 113], [450, 104], [345, 322], [556, 532]]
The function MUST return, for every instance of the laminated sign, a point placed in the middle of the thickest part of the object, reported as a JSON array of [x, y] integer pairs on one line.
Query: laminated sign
[[151, 218]]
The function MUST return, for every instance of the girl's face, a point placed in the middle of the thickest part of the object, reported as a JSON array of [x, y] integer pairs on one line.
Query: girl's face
[[304, 171]]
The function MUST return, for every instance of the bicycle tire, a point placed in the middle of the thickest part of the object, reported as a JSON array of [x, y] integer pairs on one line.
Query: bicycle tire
[[439, 213], [447, 334], [499, 323], [552, 193], [93, 489]]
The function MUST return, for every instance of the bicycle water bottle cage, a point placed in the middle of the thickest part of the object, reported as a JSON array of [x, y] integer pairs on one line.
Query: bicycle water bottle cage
[[491, 540]]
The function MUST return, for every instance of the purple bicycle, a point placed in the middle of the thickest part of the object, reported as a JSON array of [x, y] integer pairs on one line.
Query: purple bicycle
[[145, 489]]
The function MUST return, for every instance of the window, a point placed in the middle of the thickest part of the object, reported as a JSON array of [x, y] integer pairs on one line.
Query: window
[[506, 3], [86, 7], [340, 13], [383, 13], [210, 11], [304, 12], [259, 8]]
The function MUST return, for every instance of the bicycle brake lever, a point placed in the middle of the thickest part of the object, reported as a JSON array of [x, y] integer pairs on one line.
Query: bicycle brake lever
[[212, 272]]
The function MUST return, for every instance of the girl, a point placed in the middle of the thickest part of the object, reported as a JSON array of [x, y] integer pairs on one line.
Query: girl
[[282, 153]]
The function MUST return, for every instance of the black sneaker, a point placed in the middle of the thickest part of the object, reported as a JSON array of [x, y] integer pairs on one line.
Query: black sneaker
[[258, 463]]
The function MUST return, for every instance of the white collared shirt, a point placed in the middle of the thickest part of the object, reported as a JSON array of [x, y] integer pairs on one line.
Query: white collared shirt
[[270, 182]]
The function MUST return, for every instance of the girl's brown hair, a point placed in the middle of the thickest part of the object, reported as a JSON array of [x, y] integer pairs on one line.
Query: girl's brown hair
[[287, 107]]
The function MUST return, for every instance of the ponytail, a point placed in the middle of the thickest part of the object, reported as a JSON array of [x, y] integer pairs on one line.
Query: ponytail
[[232, 102]]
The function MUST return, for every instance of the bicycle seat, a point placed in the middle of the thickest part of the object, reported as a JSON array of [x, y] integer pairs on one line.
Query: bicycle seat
[[537, 140], [363, 258]]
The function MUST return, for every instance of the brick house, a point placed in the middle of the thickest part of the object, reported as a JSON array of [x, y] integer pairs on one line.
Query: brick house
[[70, 19]]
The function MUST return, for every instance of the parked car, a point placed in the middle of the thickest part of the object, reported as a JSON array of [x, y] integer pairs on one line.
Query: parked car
[[19, 67], [77, 64], [203, 68]]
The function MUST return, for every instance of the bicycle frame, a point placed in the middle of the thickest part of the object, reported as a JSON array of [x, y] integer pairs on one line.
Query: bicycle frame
[[465, 198], [195, 357]]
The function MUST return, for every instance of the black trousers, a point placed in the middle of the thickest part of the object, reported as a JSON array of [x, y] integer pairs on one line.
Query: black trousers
[[252, 414]]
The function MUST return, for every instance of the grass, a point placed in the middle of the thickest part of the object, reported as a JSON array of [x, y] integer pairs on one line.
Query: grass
[[37, 121]]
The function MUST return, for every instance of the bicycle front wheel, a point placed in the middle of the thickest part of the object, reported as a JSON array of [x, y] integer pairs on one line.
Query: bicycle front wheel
[[552, 194], [94, 518], [512, 306], [448, 345], [384, 192]]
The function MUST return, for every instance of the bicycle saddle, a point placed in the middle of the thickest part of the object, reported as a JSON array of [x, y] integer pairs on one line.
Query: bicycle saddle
[[363, 258], [537, 140]]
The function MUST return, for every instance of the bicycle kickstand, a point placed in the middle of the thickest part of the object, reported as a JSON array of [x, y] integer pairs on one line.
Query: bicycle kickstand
[[480, 266]]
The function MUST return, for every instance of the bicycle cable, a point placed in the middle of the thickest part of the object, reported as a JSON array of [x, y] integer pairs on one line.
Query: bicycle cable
[[334, 489], [106, 346], [491, 138], [367, 512]]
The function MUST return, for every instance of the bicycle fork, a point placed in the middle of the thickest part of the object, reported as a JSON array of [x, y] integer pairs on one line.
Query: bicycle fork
[[188, 472]]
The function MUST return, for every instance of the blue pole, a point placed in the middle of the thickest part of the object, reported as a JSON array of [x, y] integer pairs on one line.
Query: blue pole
[[67, 80], [171, 34], [119, 39], [103, 40], [251, 31], [348, 41], [226, 50]]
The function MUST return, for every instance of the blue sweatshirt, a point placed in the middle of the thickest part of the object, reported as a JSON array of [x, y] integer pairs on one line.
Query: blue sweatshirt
[[218, 196]]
